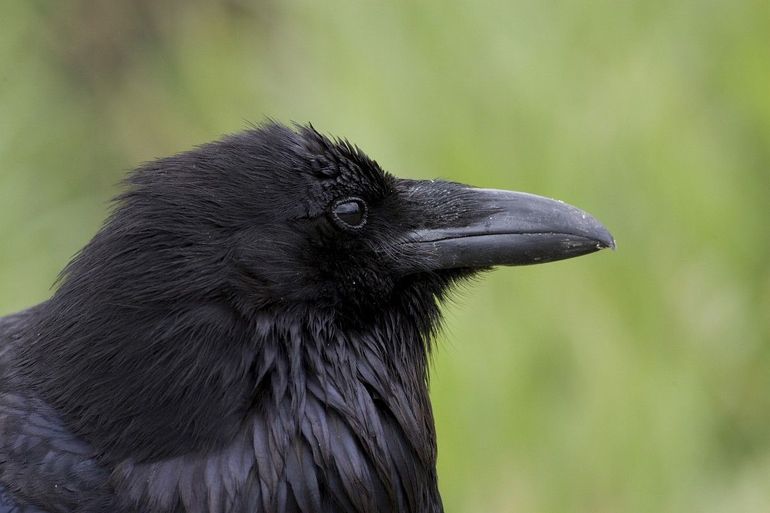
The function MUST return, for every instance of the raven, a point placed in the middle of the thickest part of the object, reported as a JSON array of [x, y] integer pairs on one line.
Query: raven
[[250, 331]]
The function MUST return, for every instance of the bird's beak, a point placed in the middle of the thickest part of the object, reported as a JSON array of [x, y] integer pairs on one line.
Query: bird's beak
[[509, 228]]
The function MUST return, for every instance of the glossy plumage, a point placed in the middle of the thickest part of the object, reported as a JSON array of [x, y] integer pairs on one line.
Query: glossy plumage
[[232, 340]]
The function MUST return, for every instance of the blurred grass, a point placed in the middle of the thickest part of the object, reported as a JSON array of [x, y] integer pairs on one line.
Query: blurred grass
[[636, 381]]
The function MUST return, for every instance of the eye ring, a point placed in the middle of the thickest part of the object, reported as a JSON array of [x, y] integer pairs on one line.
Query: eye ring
[[350, 213]]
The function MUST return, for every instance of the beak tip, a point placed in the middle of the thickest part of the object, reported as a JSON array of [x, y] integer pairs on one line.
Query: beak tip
[[607, 242]]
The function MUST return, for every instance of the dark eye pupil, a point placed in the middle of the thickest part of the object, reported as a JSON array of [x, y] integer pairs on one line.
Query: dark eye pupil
[[351, 212]]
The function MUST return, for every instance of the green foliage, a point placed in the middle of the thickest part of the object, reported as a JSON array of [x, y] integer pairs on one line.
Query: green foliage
[[632, 381]]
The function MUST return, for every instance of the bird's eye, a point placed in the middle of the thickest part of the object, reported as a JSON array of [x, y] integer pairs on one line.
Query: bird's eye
[[350, 212]]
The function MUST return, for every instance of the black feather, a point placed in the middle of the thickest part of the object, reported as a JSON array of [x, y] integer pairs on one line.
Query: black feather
[[222, 346]]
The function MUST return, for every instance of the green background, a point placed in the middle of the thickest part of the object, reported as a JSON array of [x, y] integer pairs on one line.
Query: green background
[[632, 381]]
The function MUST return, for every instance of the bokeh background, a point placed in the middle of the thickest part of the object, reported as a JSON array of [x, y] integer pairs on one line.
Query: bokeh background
[[632, 381]]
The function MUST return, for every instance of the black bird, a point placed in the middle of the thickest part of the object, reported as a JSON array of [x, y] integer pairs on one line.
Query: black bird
[[250, 332]]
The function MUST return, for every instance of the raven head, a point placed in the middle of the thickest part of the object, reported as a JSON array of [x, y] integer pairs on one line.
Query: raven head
[[283, 217], [228, 266]]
